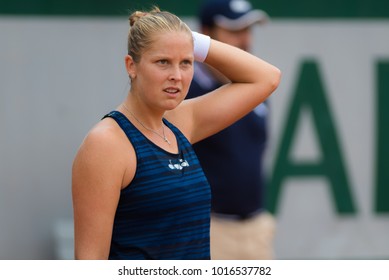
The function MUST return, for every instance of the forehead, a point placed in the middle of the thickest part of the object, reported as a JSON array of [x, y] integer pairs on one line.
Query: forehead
[[171, 42]]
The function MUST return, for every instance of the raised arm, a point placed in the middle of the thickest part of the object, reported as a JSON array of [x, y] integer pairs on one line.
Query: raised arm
[[252, 81]]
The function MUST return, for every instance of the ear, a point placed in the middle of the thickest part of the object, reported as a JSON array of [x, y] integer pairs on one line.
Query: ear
[[130, 66]]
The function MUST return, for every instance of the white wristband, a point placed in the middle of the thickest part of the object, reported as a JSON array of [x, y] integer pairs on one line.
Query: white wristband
[[201, 46]]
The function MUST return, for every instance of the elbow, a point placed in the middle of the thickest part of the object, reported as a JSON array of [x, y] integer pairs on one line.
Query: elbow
[[275, 79]]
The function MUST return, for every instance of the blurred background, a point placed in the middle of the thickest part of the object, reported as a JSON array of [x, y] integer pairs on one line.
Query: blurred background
[[62, 69]]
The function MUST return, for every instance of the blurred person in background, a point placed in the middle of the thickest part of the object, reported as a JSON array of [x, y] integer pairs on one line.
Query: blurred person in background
[[232, 159]]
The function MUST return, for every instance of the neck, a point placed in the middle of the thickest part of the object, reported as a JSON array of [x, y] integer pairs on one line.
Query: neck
[[149, 128], [149, 118]]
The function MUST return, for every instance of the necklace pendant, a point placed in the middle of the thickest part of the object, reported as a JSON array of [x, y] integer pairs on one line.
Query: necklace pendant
[[149, 129]]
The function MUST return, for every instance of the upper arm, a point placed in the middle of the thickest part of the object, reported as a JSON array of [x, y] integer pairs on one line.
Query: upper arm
[[203, 116], [222, 107], [97, 176], [252, 81]]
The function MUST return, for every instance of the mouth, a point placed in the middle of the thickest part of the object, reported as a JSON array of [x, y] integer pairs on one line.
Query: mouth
[[172, 90]]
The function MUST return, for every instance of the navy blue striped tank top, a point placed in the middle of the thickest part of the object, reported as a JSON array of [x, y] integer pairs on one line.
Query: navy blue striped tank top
[[164, 213]]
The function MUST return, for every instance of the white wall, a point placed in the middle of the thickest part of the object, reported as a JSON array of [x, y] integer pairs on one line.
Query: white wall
[[58, 76], [347, 52]]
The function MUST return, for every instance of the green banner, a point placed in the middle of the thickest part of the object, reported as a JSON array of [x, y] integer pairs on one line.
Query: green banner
[[372, 9]]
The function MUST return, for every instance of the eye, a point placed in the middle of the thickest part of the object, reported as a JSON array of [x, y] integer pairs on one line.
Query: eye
[[186, 63], [162, 61]]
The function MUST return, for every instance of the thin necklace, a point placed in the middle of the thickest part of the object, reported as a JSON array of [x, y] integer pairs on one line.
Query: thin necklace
[[149, 129]]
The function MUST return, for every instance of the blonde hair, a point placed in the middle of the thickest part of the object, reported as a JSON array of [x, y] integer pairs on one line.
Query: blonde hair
[[144, 25]]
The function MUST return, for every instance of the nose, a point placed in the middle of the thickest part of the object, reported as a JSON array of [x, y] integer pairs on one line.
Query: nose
[[175, 73]]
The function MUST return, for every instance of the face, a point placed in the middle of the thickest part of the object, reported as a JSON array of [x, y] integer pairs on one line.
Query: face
[[165, 70], [240, 38]]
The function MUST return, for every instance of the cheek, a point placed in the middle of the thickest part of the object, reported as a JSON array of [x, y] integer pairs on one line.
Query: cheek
[[189, 74], [151, 77], [187, 78]]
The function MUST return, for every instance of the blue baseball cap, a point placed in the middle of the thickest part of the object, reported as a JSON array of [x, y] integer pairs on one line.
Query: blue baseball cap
[[230, 14]]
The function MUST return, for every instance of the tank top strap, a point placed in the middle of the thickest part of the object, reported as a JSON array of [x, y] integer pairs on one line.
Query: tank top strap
[[132, 133], [136, 137]]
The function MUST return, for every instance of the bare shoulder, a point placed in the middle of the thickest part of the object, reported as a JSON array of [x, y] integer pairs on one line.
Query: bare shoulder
[[104, 138], [105, 152]]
